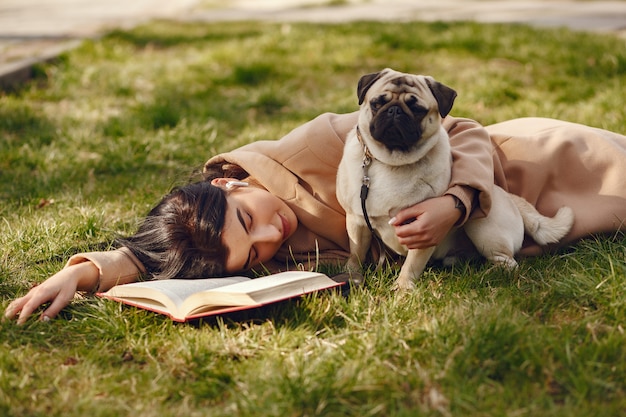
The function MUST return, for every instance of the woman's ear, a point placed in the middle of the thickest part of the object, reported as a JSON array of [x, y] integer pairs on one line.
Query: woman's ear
[[221, 182], [228, 183]]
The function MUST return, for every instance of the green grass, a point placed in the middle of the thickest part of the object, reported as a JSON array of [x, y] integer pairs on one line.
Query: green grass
[[92, 143]]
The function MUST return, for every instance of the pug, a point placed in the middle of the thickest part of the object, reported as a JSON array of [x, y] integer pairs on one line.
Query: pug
[[398, 155]]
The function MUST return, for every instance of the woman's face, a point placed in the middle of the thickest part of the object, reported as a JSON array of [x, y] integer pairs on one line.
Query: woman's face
[[256, 224]]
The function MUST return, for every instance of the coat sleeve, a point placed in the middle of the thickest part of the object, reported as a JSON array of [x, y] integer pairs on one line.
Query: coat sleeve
[[118, 266], [472, 165]]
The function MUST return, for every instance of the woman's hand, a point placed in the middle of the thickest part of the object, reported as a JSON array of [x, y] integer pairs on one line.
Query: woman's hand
[[58, 290], [427, 223]]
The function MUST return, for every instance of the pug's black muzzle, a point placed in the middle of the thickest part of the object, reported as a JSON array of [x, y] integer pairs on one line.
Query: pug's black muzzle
[[395, 129]]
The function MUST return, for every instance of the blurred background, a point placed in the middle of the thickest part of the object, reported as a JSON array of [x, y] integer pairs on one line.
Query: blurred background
[[37, 30]]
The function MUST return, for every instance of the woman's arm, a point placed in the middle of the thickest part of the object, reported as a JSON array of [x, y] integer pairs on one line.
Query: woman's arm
[[427, 223], [58, 290], [89, 272], [472, 165]]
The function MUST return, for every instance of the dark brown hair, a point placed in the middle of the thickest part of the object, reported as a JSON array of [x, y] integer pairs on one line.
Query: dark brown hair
[[181, 236]]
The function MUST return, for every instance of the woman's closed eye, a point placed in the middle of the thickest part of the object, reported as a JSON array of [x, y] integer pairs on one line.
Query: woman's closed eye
[[246, 222]]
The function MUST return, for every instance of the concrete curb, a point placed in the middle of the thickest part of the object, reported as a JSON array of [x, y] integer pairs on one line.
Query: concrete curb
[[38, 31], [13, 74]]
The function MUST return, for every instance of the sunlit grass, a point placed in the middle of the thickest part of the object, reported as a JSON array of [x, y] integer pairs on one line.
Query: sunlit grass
[[102, 133]]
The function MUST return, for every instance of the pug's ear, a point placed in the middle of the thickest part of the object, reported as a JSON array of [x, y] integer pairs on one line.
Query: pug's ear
[[443, 94], [365, 83]]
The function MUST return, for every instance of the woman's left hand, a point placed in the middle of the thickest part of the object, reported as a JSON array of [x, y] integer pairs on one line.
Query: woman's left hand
[[426, 223], [58, 290]]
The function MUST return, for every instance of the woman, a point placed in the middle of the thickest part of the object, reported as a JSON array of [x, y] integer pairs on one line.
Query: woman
[[272, 204]]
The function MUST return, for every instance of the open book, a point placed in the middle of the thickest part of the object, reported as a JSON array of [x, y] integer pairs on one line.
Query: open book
[[187, 299]]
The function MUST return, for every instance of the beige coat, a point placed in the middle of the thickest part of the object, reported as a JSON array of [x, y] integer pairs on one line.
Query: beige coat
[[551, 163]]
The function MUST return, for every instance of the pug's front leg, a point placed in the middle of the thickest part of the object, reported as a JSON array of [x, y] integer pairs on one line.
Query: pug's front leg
[[412, 268], [360, 239]]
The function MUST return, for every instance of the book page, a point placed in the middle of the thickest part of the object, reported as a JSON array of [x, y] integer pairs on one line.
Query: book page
[[177, 290], [259, 290], [274, 281]]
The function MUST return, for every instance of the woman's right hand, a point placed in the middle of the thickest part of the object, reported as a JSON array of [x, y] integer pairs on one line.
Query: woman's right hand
[[58, 290], [426, 223]]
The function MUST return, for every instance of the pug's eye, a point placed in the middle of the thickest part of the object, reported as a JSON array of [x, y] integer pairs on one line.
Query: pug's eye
[[411, 101], [377, 103], [415, 107]]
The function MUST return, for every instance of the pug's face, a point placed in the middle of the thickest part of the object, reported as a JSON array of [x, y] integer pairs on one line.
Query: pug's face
[[399, 110]]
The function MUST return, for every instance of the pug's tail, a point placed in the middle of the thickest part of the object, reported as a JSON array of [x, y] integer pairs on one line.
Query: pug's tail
[[541, 228]]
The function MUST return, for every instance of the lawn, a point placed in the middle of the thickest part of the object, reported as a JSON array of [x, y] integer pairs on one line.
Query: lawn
[[99, 135]]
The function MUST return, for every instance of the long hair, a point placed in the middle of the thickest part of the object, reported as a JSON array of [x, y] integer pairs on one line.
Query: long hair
[[181, 236]]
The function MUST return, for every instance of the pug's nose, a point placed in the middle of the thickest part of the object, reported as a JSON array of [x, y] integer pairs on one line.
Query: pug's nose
[[394, 111]]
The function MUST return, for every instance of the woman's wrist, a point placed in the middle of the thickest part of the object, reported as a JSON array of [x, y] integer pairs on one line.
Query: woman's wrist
[[464, 197], [87, 276], [460, 207]]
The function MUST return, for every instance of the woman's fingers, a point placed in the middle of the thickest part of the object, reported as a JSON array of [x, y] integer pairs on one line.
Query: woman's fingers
[[14, 308], [21, 308], [58, 290], [25, 306], [62, 300], [427, 223], [32, 301]]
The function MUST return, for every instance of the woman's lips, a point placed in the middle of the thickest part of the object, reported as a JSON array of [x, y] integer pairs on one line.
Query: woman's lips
[[286, 226]]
